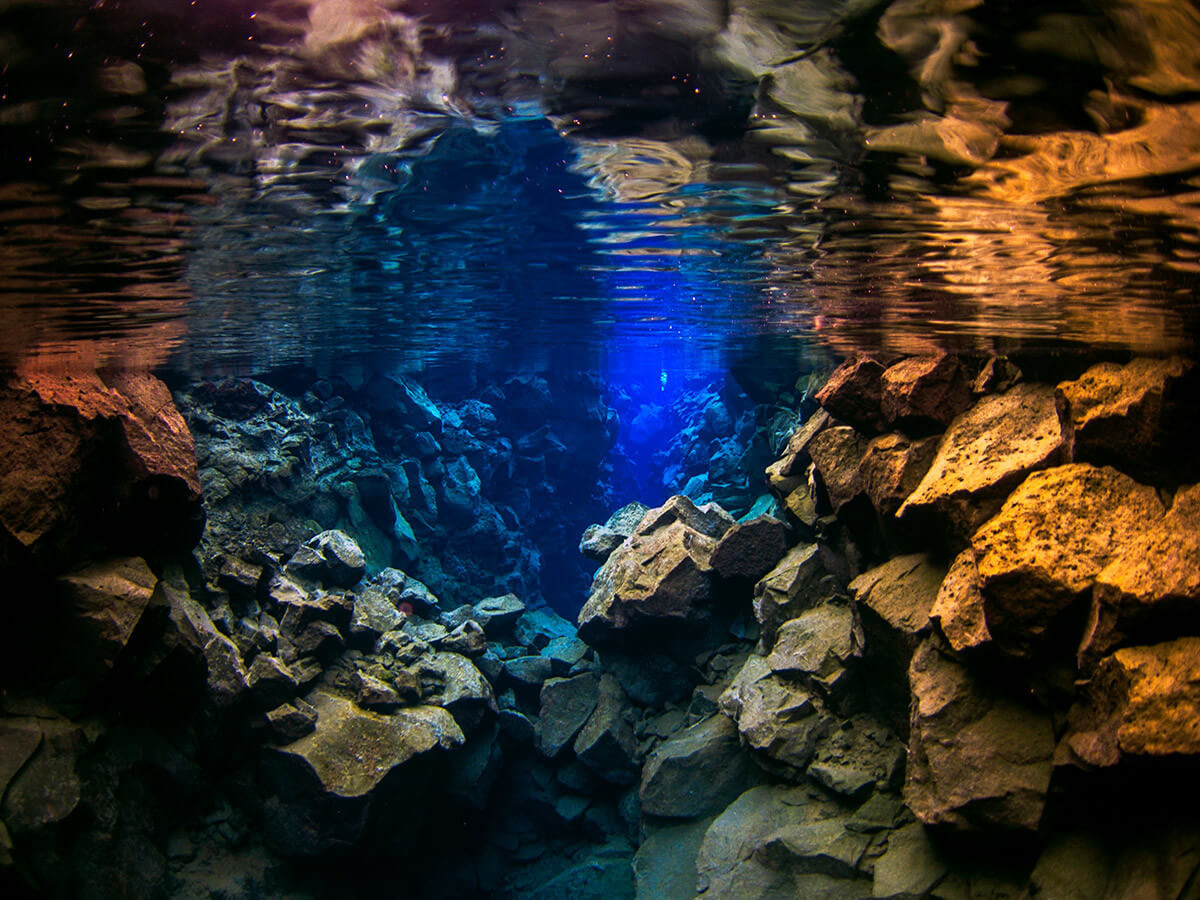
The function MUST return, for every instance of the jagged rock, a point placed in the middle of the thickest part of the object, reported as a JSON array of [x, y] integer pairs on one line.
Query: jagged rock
[[19, 738], [859, 756], [498, 613], [911, 866], [322, 785], [777, 717], [894, 601], [879, 813], [749, 550], [924, 393], [291, 721], [319, 639], [599, 541], [977, 758], [854, 394], [804, 502], [517, 726], [565, 653], [371, 693], [404, 399], [1154, 577], [468, 639], [985, 453], [454, 683], [782, 842], [460, 488], [649, 678], [892, 467], [191, 627], [536, 628], [818, 642], [107, 601], [998, 374], [331, 558], [530, 671], [566, 704], [958, 609], [298, 608], [1141, 701], [1076, 513], [47, 787], [606, 743], [696, 772], [837, 453], [800, 581], [58, 427], [660, 575], [374, 614], [665, 865], [271, 682], [1126, 416], [404, 592], [787, 473]]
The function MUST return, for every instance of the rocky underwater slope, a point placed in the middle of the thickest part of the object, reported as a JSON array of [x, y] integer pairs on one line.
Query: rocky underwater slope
[[292, 642]]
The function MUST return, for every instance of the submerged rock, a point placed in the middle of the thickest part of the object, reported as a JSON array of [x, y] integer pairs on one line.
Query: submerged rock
[[985, 453], [798, 582], [106, 602], [599, 541], [854, 394], [924, 393], [892, 467], [697, 771], [332, 558], [750, 549]]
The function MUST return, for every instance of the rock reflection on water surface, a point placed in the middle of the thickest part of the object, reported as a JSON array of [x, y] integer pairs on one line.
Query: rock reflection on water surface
[[906, 174]]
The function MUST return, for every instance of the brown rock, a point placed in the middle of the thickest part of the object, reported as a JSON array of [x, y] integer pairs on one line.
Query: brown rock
[[783, 474], [999, 373], [802, 501], [799, 582], [924, 393], [59, 430], [1053, 536], [817, 643], [854, 392], [984, 454], [696, 772], [977, 759], [837, 453], [606, 744], [1142, 701], [1154, 578], [749, 550], [1123, 416], [566, 704], [958, 609], [659, 576], [893, 466], [107, 600]]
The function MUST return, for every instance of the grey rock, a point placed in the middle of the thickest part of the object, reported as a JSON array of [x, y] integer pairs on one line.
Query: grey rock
[[749, 550], [566, 704], [107, 601], [565, 653], [910, 867], [859, 756], [606, 743], [497, 613], [331, 557], [538, 627], [665, 864], [697, 772], [800, 581], [270, 681], [530, 671], [468, 639], [371, 693]]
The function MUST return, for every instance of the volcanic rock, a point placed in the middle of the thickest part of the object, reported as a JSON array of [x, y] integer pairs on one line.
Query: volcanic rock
[[837, 453], [749, 550], [800, 581], [911, 866], [107, 601], [566, 704], [1049, 542], [985, 453], [977, 758], [606, 743], [47, 786], [924, 393], [599, 541], [892, 467], [958, 609], [697, 771], [332, 558], [271, 683], [854, 393], [785, 474], [498, 613]]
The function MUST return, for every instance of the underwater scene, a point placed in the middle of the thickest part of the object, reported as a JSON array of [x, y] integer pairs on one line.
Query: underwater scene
[[597, 449]]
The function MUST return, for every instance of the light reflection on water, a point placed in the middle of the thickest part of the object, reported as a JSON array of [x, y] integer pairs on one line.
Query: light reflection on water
[[572, 183]]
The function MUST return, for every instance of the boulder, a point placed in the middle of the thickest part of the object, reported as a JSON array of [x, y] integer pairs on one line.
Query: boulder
[[892, 467], [373, 694], [529, 671], [106, 602], [59, 431], [958, 609], [665, 865], [924, 393], [749, 550], [1079, 517], [1141, 701], [537, 628], [404, 399], [496, 614], [1154, 578], [696, 772], [858, 757], [778, 717], [778, 841], [816, 646], [452, 682], [998, 374], [566, 704], [323, 785], [190, 627], [854, 393], [270, 681], [798, 582], [977, 758], [606, 743], [1072, 867], [291, 721], [332, 558], [45, 787], [984, 454], [468, 639], [459, 497], [599, 541], [659, 576], [1126, 416], [837, 453], [785, 474], [373, 614]]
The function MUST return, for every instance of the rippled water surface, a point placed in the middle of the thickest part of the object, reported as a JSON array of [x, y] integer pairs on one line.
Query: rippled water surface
[[222, 185]]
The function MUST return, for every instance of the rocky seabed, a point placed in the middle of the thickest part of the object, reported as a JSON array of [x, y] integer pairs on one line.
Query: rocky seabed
[[293, 644]]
